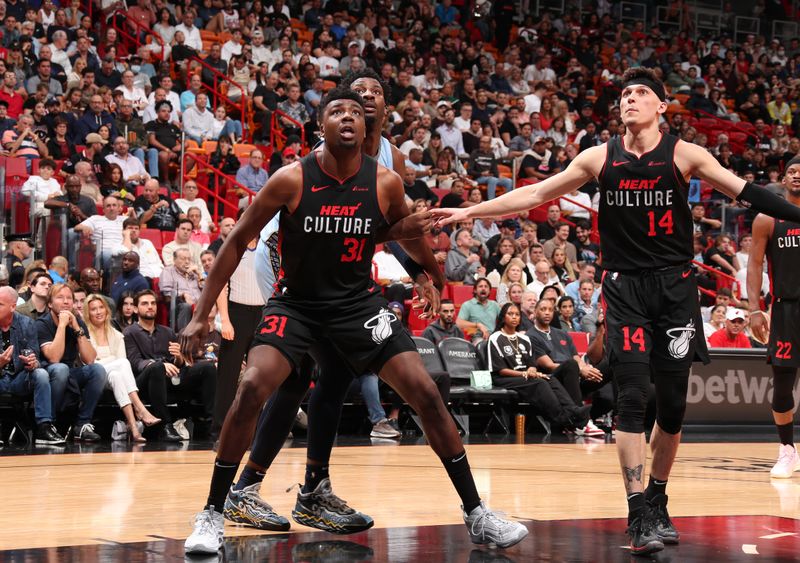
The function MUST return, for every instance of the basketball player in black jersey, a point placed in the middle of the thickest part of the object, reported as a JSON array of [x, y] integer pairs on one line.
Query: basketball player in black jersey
[[652, 314], [780, 242], [331, 202], [243, 504]]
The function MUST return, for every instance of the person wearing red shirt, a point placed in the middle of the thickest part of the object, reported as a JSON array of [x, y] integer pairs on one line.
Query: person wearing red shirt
[[11, 94], [732, 335]]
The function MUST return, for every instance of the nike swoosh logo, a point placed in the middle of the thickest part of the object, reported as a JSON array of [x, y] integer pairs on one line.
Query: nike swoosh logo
[[456, 460], [319, 188], [620, 162], [685, 275]]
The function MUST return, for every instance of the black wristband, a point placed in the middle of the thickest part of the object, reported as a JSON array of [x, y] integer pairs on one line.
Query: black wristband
[[764, 201]]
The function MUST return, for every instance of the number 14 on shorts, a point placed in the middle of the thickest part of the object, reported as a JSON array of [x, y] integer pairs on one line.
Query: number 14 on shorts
[[273, 324], [633, 339]]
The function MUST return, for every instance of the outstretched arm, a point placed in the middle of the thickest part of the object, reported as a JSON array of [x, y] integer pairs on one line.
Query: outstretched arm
[[697, 161], [762, 231], [587, 165], [283, 188]]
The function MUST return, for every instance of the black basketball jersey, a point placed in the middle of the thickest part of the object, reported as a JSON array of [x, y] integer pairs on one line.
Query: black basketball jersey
[[783, 256], [327, 244], [644, 218]]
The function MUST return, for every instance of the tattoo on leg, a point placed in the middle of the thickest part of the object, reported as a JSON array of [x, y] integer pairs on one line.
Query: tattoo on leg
[[633, 473]]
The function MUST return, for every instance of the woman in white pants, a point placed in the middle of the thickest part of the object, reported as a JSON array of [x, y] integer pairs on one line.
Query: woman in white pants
[[111, 355]]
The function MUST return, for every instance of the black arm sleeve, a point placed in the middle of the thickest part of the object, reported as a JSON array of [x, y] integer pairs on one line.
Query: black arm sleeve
[[766, 202]]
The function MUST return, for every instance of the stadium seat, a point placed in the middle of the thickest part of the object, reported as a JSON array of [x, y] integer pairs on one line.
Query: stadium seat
[[16, 172], [460, 294], [581, 341], [243, 149], [154, 236]]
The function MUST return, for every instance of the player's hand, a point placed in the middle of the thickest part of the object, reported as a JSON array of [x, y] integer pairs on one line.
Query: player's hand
[[447, 216], [228, 333], [417, 225], [191, 338], [428, 299], [591, 373], [759, 326]]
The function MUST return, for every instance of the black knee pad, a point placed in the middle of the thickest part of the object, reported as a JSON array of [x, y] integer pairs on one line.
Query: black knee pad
[[633, 381], [671, 391], [783, 379]]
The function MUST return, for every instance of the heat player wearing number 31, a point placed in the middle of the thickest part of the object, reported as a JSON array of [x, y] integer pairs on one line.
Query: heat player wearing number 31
[[652, 311]]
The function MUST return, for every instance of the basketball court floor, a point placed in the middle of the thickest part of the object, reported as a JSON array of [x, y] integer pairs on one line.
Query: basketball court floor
[[134, 504]]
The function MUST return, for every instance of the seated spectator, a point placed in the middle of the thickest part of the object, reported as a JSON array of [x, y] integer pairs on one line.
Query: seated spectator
[[475, 316], [226, 225], [514, 272], [588, 251], [225, 127], [504, 250], [59, 269], [165, 137], [390, 275], [36, 306], [252, 176], [207, 258], [22, 142], [181, 281], [160, 369], [482, 168], [92, 153], [417, 189], [547, 229], [151, 112], [444, 326], [512, 361], [150, 265], [587, 300], [89, 184], [190, 200], [133, 171], [198, 121], [586, 272], [702, 224], [559, 240], [110, 347], [105, 229], [720, 257], [485, 229], [295, 109], [462, 263], [126, 312], [732, 335], [130, 279], [75, 208], [39, 188], [188, 97], [228, 163], [59, 146], [456, 196], [131, 127], [521, 143], [155, 210], [538, 163], [543, 277], [716, 321], [562, 268], [70, 359], [565, 315], [576, 205], [114, 184], [182, 240], [93, 119], [198, 235], [20, 369]]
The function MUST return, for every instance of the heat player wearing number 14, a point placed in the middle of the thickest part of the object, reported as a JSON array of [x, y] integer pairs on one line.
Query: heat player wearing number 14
[[652, 313]]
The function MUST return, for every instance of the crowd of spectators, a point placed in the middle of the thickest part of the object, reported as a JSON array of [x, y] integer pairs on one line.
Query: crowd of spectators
[[476, 104]]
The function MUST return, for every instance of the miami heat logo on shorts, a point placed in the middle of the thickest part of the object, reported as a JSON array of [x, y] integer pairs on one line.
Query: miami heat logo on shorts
[[381, 325], [681, 339]]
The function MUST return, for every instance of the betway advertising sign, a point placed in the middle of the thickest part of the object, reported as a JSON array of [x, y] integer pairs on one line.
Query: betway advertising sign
[[736, 387]]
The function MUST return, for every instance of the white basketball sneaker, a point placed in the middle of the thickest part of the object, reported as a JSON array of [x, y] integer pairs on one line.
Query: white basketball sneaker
[[788, 462], [206, 537]]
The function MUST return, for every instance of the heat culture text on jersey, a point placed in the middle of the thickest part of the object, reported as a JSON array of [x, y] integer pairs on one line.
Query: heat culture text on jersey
[[783, 257], [328, 242], [644, 218]]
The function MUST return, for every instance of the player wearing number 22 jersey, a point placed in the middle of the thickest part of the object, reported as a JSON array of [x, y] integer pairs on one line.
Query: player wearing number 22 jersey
[[649, 289]]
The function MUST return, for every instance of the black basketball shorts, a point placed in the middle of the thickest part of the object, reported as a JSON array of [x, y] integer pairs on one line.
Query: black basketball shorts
[[362, 329], [784, 334], [653, 317]]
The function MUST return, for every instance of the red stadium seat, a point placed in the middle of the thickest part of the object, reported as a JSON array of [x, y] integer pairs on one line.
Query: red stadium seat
[[167, 236], [154, 236], [460, 294], [581, 340]]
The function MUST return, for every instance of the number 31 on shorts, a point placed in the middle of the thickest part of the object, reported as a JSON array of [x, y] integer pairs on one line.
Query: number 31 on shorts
[[273, 324]]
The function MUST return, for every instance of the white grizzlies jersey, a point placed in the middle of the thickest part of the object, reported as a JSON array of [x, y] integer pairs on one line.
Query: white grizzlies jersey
[[268, 261]]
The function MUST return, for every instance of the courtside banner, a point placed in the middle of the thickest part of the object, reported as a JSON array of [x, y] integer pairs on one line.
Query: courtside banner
[[736, 387]]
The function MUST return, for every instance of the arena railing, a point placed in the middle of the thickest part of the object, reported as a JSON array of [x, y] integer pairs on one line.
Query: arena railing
[[125, 32], [723, 279], [277, 137], [212, 193], [217, 92]]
